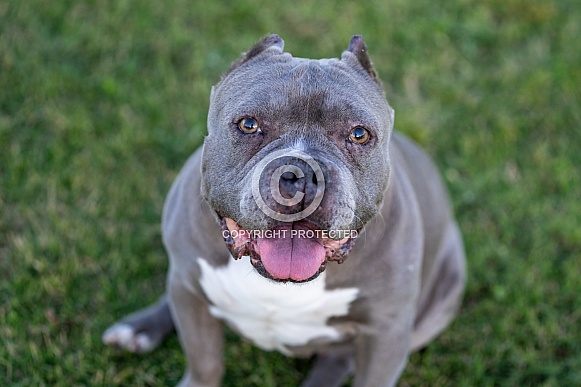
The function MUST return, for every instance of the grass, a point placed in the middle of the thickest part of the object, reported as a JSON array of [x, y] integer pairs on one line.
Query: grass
[[102, 101]]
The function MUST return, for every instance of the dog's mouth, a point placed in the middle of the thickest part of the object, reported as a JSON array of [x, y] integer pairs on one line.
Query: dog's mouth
[[291, 252]]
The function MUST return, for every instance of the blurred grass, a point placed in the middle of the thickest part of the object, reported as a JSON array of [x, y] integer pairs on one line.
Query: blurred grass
[[102, 101]]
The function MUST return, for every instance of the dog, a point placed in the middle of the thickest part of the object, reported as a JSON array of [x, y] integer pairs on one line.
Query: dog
[[307, 225]]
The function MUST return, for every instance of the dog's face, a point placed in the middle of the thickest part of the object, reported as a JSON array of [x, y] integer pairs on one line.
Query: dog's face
[[296, 160]]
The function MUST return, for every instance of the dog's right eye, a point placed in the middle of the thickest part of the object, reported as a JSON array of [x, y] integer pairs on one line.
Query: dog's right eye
[[248, 125], [359, 135]]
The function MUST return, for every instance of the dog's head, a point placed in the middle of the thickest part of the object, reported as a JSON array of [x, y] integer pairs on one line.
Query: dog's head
[[296, 159]]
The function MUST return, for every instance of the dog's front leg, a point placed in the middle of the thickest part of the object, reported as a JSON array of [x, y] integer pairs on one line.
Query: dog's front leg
[[382, 353], [201, 335], [330, 369]]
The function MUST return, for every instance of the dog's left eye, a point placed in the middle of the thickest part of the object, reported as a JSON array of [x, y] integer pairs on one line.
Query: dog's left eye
[[248, 125], [359, 135]]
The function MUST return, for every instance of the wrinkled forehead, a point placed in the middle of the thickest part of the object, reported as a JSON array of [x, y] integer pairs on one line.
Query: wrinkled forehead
[[283, 81]]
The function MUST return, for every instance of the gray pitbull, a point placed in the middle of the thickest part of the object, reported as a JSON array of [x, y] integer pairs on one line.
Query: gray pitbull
[[305, 224]]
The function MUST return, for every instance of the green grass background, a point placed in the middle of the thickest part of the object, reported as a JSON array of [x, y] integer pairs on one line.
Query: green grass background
[[102, 101]]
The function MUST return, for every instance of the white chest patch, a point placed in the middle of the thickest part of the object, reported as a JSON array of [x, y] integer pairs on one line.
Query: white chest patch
[[273, 315]]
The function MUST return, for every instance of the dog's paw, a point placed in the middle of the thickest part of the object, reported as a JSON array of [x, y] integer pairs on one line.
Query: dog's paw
[[124, 336]]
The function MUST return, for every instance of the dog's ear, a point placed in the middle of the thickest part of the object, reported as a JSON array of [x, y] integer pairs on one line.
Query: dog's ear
[[272, 43], [358, 50]]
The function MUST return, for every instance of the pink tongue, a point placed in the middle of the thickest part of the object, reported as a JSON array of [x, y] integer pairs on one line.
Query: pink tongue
[[297, 258]]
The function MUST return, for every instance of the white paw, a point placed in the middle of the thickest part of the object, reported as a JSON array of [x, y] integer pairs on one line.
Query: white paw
[[124, 336]]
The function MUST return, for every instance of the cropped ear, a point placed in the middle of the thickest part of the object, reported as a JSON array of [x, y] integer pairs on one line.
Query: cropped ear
[[269, 42], [358, 49]]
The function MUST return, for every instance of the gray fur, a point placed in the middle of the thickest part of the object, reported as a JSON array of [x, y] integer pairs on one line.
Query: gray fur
[[408, 262]]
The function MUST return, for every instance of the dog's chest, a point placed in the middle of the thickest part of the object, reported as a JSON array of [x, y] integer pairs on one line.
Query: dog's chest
[[273, 315]]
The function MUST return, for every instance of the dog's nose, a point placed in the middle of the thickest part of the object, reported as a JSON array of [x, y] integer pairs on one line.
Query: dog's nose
[[292, 178], [314, 179], [290, 183], [289, 176]]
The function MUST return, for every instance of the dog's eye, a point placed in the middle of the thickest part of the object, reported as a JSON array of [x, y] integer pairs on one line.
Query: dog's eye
[[359, 135], [248, 125]]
